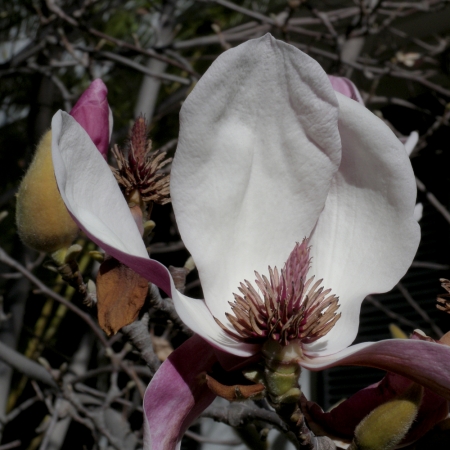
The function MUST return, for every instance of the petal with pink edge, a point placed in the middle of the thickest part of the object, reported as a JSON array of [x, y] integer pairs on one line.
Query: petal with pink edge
[[367, 235], [89, 189], [177, 395], [426, 363], [92, 112], [258, 148], [345, 87], [342, 420], [94, 200]]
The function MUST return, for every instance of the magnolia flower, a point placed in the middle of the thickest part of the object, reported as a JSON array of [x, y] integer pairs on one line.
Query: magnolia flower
[[268, 154]]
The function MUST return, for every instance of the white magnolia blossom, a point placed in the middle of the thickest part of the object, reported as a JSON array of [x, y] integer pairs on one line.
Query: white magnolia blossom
[[268, 154]]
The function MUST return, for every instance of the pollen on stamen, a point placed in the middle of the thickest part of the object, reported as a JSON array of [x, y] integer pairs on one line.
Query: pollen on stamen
[[287, 307]]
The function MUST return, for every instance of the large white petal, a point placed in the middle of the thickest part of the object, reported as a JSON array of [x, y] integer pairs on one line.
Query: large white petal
[[257, 151], [367, 235]]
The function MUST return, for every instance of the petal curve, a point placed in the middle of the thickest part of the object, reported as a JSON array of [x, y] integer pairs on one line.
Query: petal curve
[[366, 236], [426, 363]]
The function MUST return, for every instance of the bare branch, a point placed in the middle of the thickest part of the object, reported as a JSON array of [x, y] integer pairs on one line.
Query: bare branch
[[26, 366], [45, 290]]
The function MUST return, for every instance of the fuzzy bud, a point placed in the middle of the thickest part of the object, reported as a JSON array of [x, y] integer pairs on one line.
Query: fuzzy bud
[[42, 219], [389, 423]]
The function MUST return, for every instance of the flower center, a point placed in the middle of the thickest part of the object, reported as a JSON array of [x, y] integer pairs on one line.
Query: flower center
[[287, 306]]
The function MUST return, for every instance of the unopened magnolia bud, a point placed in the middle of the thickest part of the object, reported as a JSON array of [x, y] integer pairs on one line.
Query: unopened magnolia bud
[[389, 423], [92, 112], [42, 219]]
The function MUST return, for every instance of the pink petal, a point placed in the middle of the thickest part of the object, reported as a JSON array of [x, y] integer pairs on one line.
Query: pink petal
[[92, 112], [177, 394], [426, 363], [341, 421], [345, 87]]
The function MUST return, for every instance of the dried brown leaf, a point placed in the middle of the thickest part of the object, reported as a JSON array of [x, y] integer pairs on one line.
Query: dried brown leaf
[[121, 294]]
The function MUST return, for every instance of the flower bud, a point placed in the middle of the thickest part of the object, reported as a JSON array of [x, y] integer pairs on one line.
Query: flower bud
[[42, 219], [389, 423], [92, 112]]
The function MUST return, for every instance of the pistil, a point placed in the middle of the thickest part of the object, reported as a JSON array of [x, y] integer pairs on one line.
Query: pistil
[[287, 307]]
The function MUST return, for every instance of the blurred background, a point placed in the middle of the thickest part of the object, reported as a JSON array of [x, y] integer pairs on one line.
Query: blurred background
[[150, 54]]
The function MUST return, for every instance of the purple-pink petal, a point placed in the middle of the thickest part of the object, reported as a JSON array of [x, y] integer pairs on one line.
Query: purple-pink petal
[[177, 394], [341, 421], [92, 112], [345, 87], [426, 363], [150, 269]]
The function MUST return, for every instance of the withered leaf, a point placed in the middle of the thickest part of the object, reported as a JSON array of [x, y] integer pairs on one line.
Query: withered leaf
[[121, 294], [235, 392]]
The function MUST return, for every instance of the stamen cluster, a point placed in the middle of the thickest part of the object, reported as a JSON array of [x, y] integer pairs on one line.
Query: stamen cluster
[[286, 308], [141, 170]]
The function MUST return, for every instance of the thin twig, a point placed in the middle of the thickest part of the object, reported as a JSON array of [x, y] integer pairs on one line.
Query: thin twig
[[10, 445], [134, 65], [408, 297], [399, 318], [166, 305], [26, 366], [430, 265], [5, 258], [433, 200], [206, 440]]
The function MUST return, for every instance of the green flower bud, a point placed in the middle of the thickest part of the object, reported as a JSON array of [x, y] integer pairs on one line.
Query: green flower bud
[[388, 424], [42, 219]]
